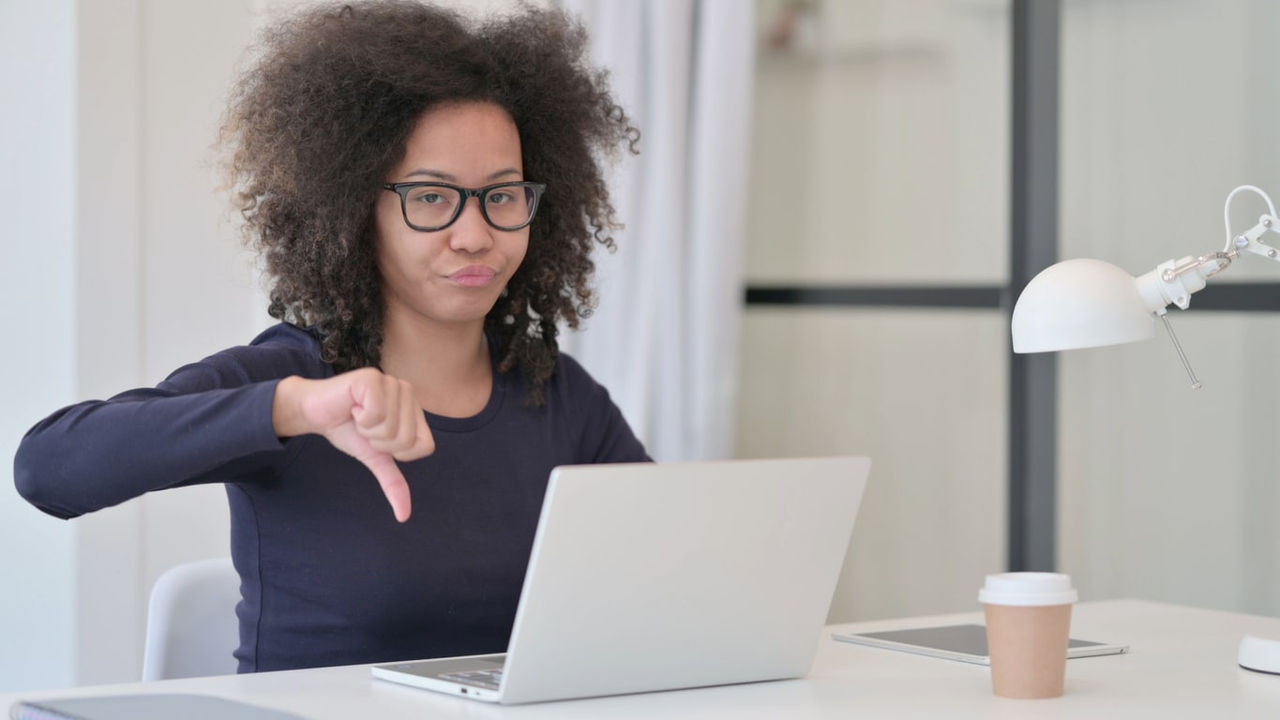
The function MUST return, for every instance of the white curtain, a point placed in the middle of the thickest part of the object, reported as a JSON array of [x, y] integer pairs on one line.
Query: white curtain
[[665, 336]]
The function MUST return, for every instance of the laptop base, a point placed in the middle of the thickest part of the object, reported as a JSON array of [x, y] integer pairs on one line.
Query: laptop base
[[475, 676]]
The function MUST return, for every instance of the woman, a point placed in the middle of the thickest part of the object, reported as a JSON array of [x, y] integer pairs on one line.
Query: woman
[[426, 193]]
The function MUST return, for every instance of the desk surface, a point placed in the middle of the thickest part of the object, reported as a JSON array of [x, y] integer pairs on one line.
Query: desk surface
[[1181, 663]]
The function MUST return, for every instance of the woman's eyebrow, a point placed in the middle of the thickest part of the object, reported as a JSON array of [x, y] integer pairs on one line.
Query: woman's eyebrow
[[501, 173], [450, 178], [434, 174]]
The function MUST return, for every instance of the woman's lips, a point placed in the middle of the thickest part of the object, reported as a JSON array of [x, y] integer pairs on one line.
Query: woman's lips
[[474, 276]]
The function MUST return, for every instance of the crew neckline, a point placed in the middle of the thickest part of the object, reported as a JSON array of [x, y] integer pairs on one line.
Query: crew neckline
[[497, 396]]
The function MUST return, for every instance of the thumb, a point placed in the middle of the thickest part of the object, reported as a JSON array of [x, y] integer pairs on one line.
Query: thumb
[[394, 486]]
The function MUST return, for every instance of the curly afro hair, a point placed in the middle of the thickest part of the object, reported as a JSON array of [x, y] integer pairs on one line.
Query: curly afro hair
[[315, 126]]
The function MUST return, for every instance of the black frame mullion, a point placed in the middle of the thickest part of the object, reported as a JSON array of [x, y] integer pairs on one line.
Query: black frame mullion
[[1033, 246], [961, 297]]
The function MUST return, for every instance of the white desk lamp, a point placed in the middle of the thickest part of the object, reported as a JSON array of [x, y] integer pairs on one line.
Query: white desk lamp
[[1091, 303]]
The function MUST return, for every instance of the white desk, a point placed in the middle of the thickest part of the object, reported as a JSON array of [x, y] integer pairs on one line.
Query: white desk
[[1182, 664]]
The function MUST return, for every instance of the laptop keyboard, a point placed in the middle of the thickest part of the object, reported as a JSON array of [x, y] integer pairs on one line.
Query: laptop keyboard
[[487, 679]]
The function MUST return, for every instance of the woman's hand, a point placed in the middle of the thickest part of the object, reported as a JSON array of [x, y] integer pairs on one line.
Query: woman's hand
[[366, 414]]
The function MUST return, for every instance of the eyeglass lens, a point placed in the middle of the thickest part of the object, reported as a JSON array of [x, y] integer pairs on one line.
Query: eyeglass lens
[[434, 206]]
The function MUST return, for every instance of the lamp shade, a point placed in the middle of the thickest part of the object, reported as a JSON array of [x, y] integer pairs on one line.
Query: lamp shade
[[1079, 304]]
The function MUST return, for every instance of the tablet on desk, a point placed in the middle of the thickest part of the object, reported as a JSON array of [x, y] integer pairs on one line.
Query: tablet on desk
[[966, 643]]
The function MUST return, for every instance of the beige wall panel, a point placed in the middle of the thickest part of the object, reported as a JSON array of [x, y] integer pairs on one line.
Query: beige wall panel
[[923, 393], [1170, 493], [881, 149]]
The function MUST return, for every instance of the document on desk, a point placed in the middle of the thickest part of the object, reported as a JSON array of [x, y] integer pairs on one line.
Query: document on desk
[[144, 707], [966, 643]]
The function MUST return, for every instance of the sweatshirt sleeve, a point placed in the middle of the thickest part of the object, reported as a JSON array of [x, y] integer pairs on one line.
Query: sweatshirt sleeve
[[207, 422]]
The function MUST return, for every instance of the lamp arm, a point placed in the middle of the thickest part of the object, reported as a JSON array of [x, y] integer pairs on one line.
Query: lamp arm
[[1172, 282], [1226, 211], [1250, 241]]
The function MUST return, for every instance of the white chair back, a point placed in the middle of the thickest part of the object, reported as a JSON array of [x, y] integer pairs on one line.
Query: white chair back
[[192, 628]]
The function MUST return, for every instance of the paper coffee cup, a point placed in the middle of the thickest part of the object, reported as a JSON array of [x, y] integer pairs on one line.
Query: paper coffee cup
[[1028, 627]]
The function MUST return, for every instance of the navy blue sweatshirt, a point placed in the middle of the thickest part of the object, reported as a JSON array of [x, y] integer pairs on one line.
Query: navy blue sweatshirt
[[328, 577]]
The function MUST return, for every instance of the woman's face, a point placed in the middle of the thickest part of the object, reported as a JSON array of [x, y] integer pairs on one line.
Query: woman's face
[[454, 275]]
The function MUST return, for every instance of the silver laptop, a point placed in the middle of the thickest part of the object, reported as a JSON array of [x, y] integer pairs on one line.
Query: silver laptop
[[661, 576]]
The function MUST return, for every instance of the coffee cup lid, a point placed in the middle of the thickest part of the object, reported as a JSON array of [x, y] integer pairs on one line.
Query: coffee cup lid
[[1027, 588]]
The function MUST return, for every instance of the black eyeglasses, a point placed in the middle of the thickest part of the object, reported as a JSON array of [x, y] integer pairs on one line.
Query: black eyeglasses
[[432, 206]]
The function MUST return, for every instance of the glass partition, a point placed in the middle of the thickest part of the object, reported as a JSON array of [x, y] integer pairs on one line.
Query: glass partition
[[1167, 493], [881, 159]]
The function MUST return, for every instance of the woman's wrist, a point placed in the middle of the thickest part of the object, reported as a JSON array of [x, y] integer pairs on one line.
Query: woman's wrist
[[286, 408]]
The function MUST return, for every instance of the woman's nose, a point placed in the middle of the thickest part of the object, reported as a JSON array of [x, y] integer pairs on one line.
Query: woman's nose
[[470, 232]]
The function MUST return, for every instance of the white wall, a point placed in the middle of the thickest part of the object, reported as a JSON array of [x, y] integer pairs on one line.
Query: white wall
[[37, 309], [108, 319], [199, 289], [131, 270]]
